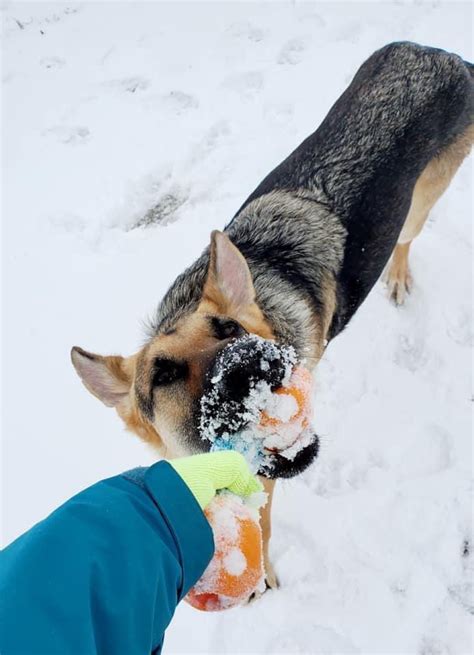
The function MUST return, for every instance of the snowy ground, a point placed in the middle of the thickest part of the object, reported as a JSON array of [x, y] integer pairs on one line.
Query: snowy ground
[[111, 109]]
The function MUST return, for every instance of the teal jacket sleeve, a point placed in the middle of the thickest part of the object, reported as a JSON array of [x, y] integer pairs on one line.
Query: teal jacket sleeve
[[105, 571]]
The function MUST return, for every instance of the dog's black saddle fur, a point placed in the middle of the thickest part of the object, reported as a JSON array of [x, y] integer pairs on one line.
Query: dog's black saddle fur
[[406, 103], [335, 207]]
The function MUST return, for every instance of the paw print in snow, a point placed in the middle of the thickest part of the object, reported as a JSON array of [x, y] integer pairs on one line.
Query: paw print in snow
[[458, 327], [245, 30], [410, 353], [52, 62], [164, 211], [175, 102], [245, 84], [128, 84], [69, 134], [212, 139], [179, 101], [307, 16], [292, 51]]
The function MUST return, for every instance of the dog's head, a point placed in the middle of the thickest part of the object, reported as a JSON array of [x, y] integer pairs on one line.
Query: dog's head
[[157, 391]]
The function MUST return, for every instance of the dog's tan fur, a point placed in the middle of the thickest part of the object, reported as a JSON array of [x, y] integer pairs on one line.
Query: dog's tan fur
[[430, 186]]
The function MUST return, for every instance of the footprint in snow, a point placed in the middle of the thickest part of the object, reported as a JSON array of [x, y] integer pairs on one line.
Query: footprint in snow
[[308, 17], [246, 30], [175, 102], [293, 51], [212, 139], [165, 210], [13, 23], [432, 645], [247, 84], [52, 62], [459, 328], [179, 101], [410, 352], [462, 591], [74, 134], [128, 84]]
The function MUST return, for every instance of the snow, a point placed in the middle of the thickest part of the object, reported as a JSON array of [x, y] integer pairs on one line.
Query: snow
[[285, 409], [234, 562], [293, 429], [111, 110]]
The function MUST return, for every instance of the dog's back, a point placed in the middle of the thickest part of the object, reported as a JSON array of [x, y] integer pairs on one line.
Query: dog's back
[[404, 106], [337, 204]]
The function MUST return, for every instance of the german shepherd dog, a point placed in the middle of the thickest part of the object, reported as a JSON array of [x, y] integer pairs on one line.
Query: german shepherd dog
[[305, 248]]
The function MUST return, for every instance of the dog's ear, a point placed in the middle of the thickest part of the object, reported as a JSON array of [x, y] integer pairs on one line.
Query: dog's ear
[[105, 377], [229, 282]]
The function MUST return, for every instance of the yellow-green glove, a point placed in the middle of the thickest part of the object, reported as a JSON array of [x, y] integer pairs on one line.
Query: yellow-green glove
[[208, 473]]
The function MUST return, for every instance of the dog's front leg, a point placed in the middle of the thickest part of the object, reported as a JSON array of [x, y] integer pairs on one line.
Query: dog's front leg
[[270, 575]]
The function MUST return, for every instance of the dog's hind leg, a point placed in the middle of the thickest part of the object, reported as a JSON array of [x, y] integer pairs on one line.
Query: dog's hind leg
[[432, 183]]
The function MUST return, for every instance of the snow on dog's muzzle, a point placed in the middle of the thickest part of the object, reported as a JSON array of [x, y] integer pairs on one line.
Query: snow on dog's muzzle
[[257, 400]]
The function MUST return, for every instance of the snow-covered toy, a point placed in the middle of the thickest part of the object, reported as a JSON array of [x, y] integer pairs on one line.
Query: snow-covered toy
[[236, 570], [258, 402], [287, 413]]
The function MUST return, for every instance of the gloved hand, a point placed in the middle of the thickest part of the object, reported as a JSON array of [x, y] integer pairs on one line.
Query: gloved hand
[[206, 474]]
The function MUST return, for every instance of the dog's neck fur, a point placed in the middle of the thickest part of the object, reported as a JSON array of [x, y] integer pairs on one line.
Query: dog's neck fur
[[294, 248]]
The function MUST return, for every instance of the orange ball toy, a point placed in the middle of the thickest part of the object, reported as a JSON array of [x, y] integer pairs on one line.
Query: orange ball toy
[[299, 388], [288, 413], [236, 570]]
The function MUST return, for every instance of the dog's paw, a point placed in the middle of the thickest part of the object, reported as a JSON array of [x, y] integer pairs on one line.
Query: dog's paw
[[271, 582], [398, 280], [258, 594]]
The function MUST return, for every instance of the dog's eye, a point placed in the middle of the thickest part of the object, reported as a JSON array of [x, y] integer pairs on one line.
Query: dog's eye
[[227, 328], [166, 371]]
